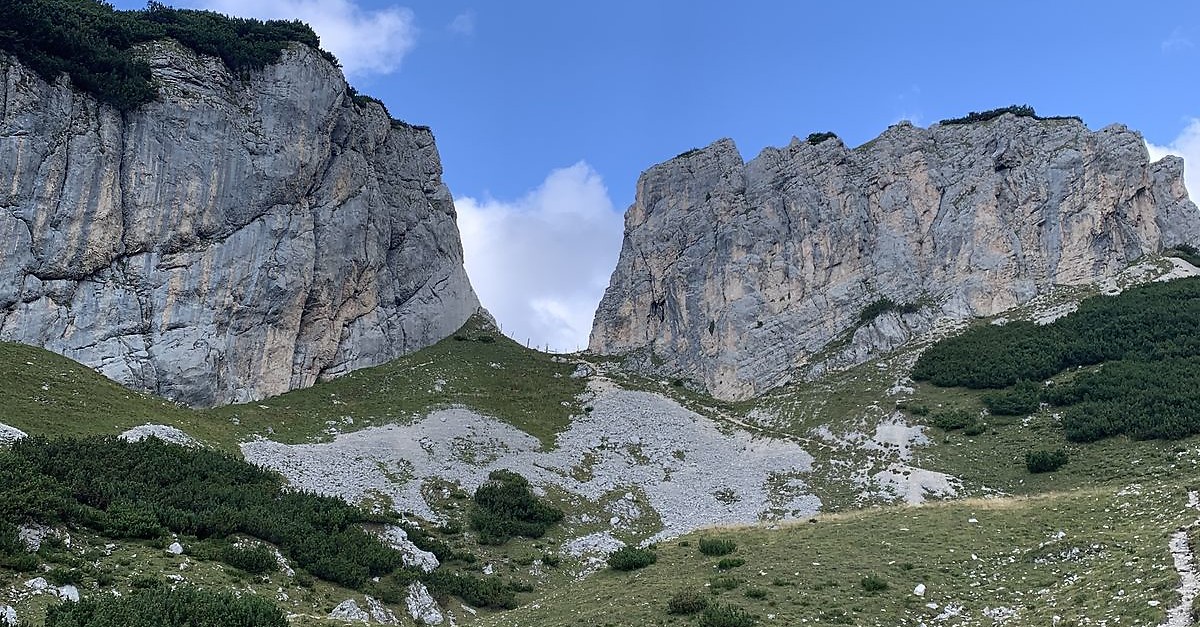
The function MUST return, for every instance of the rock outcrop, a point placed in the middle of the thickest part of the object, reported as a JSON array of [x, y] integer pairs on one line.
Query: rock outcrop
[[242, 236], [736, 275]]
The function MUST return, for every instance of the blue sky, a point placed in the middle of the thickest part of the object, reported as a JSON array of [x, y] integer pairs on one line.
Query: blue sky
[[546, 112]]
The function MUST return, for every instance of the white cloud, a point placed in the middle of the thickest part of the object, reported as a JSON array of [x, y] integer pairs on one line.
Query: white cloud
[[365, 41], [541, 263], [463, 24], [1186, 145], [1176, 42]]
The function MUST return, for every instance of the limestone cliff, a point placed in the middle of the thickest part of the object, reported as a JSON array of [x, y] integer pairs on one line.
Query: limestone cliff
[[241, 236], [736, 274]]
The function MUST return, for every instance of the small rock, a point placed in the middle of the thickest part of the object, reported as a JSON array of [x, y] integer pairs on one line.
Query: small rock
[[9, 614], [380, 613], [175, 548], [349, 611], [68, 593], [166, 433], [411, 555], [421, 605], [919, 590]]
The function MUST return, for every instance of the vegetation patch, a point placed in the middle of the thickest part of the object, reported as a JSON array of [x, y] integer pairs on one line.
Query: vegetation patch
[[1066, 550], [161, 606], [143, 489], [1145, 342], [716, 547], [1023, 111], [728, 563], [687, 602], [721, 615], [1045, 460], [631, 558], [1185, 252], [1019, 400], [505, 507], [951, 419], [93, 43], [882, 306], [487, 592], [873, 583], [816, 138]]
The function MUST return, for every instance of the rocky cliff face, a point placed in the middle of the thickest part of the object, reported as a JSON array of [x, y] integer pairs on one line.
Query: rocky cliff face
[[737, 274], [240, 237]]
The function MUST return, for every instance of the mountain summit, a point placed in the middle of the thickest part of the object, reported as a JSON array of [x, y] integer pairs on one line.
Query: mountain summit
[[242, 234], [739, 276]]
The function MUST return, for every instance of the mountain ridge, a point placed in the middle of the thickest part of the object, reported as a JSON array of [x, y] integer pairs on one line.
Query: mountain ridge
[[735, 274]]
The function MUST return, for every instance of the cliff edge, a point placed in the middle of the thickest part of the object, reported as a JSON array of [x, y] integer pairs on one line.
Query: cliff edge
[[735, 275], [242, 235]]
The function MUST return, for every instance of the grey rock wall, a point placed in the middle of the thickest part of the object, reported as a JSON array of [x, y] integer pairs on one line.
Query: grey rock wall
[[238, 238], [737, 275]]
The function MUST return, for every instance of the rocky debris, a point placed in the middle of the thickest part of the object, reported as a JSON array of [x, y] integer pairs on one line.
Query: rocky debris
[[284, 566], [165, 433], [411, 555], [735, 274], [915, 485], [600, 543], [689, 471], [1000, 615], [8, 434], [175, 548], [380, 613], [421, 605], [349, 611], [33, 535], [237, 238], [1180, 269], [8, 614], [39, 585], [1184, 557]]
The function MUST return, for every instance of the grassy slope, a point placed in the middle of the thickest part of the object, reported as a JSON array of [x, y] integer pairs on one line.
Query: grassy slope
[[529, 389], [48, 394], [45, 393], [1112, 561]]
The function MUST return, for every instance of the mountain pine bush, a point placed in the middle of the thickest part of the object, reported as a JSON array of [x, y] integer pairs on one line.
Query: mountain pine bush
[[631, 558], [505, 507], [716, 547]]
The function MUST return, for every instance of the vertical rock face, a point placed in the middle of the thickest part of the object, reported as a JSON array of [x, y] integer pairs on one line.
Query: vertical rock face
[[736, 274], [237, 238]]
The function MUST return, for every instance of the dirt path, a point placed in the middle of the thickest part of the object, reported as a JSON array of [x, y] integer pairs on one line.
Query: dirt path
[[1185, 564]]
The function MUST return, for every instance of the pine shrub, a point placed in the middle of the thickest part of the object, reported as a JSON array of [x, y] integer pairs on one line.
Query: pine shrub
[[631, 558], [873, 583], [730, 562], [716, 547], [721, 615], [687, 602], [1045, 460], [505, 507]]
